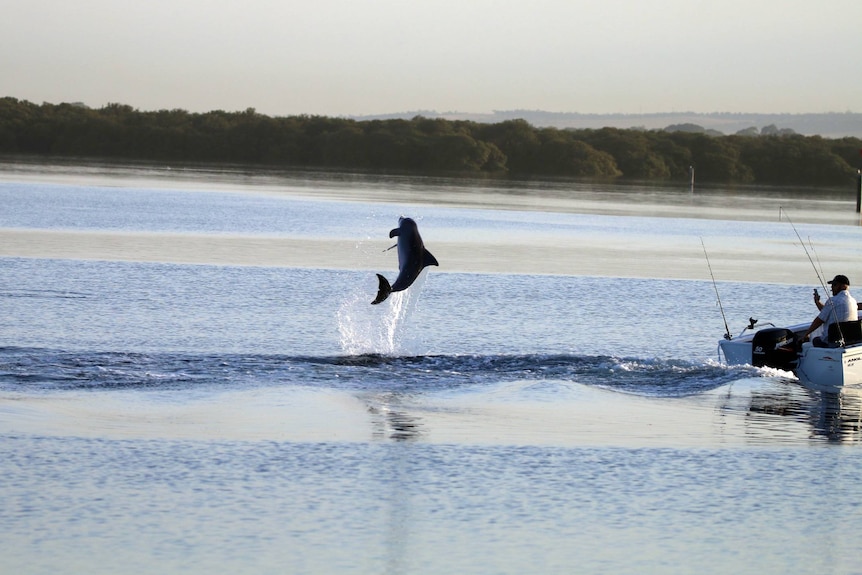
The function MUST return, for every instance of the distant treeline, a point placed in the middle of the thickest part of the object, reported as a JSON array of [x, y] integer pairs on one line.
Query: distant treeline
[[421, 145]]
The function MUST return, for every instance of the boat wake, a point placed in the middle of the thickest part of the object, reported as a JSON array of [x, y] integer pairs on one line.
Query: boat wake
[[35, 370]]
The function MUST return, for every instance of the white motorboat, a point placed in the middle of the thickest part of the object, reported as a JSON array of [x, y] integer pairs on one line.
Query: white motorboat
[[837, 365]]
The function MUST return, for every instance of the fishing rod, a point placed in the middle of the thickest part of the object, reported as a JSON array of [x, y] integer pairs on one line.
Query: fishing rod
[[727, 335], [833, 312], [814, 251], [807, 253]]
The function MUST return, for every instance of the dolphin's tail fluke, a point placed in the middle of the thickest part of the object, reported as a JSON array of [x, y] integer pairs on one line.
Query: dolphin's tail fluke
[[383, 291]]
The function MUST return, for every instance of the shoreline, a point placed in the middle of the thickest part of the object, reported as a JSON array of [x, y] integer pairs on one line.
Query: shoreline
[[817, 205]]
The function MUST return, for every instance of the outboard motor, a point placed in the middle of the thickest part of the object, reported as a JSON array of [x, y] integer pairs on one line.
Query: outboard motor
[[774, 347]]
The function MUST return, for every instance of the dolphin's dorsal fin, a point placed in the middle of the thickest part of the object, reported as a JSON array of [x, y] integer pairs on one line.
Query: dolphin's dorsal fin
[[395, 232], [428, 259]]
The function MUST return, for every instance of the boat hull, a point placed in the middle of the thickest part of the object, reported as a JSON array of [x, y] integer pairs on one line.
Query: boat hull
[[826, 368]]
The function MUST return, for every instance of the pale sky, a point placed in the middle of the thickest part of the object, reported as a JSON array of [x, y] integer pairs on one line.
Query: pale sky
[[358, 57]]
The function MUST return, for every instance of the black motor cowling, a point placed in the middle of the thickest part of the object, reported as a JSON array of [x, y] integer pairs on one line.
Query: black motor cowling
[[774, 347]]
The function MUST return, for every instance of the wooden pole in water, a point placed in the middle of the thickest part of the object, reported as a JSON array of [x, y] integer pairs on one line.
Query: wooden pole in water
[[859, 190], [691, 171]]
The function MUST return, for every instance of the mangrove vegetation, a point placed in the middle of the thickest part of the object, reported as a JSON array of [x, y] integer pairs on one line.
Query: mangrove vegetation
[[424, 145]]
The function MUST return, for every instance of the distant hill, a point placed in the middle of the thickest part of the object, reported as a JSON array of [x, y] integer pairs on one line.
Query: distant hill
[[828, 125]]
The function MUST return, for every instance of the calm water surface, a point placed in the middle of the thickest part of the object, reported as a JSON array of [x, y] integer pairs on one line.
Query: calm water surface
[[199, 417]]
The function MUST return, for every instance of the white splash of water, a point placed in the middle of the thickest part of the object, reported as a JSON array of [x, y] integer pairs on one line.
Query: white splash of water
[[378, 329]]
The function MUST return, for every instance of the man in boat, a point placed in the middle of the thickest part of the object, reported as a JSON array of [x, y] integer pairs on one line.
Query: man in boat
[[840, 307]]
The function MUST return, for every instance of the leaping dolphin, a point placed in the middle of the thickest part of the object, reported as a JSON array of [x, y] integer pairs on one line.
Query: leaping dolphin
[[412, 259]]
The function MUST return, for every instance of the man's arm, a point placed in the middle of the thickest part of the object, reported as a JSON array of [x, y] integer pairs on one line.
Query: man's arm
[[814, 325]]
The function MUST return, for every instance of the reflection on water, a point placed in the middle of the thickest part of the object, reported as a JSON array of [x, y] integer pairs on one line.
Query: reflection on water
[[840, 416], [389, 422], [834, 416], [666, 199]]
